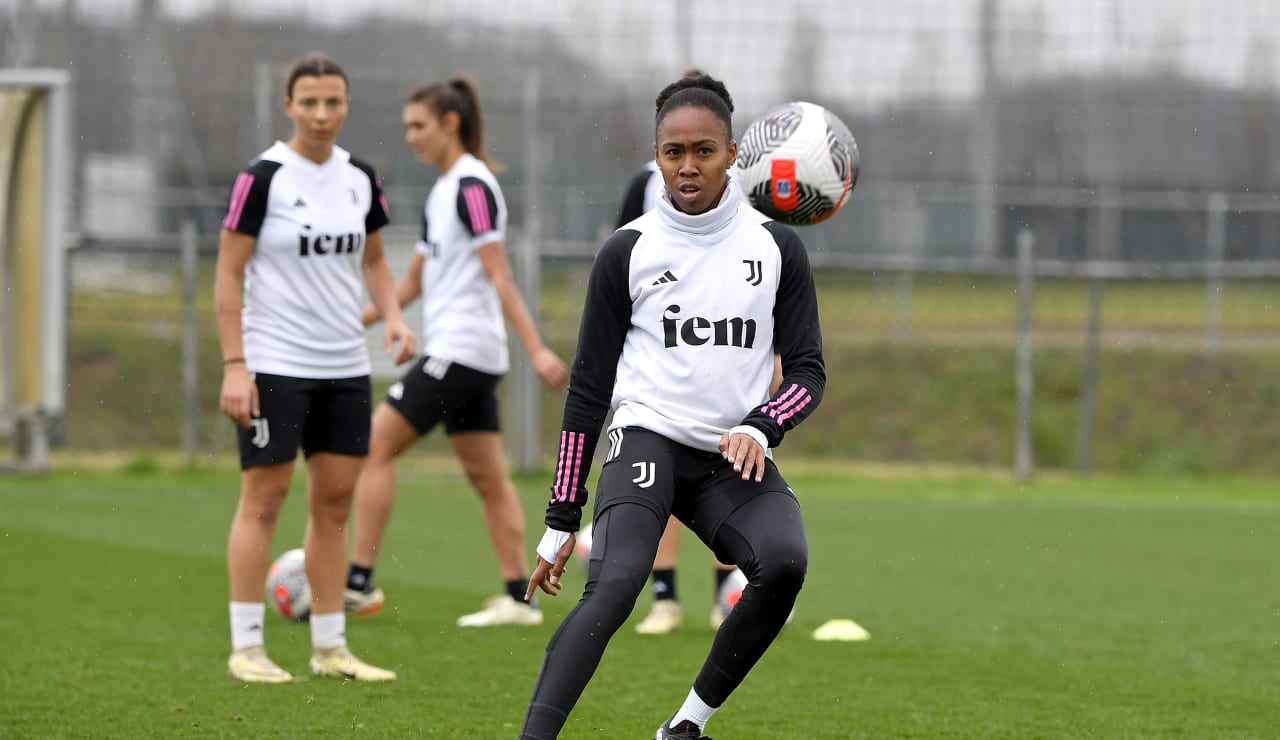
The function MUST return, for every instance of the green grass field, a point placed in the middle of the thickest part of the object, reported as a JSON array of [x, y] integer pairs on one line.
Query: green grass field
[[1105, 607]]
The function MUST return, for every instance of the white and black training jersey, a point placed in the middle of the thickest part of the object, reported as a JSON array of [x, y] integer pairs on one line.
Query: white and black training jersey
[[303, 287], [682, 318], [462, 317]]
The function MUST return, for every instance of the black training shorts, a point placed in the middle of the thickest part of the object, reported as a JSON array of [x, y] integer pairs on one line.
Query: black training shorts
[[316, 415], [700, 488], [435, 390]]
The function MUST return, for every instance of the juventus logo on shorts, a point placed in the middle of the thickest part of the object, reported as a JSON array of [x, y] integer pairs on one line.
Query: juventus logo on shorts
[[755, 271], [648, 474], [261, 433]]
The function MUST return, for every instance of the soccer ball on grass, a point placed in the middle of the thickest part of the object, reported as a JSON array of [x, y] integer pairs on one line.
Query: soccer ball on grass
[[797, 163], [287, 587], [582, 546], [731, 591]]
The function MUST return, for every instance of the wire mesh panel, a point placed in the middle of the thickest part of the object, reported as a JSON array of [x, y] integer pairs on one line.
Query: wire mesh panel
[[1134, 139]]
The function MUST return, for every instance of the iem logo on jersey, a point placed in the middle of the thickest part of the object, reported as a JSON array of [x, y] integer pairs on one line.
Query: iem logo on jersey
[[696, 330], [328, 243]]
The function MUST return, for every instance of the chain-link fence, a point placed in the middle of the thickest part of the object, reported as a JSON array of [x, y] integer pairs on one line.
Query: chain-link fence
[[1132, 140]]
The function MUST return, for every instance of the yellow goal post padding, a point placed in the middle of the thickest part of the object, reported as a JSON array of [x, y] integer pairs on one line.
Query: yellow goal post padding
[[34, 196]]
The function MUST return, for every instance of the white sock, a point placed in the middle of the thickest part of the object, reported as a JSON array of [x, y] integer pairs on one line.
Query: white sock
[[246, 623], [328, 630], [695, 710]]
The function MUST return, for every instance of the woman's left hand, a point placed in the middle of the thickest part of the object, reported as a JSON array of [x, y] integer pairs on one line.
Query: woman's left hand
[[745, 453]]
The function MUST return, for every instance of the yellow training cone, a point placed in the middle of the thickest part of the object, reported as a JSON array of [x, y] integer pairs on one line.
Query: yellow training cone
[[843, 630]]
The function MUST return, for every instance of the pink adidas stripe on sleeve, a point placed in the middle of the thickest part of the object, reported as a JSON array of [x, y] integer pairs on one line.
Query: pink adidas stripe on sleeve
[[239, 194]]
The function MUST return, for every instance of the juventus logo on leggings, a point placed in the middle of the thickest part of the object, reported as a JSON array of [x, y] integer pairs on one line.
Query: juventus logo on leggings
[[648, 474], [755, 271]]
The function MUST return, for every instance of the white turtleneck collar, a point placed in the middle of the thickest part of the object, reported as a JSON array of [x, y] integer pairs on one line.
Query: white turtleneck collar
[[703, 228]]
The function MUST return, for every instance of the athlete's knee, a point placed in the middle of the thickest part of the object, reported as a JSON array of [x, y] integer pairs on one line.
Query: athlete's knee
[[262, 501], [615, 588], [491, 487], [782, 565], [331, 505], [263, 514], [382, 455]]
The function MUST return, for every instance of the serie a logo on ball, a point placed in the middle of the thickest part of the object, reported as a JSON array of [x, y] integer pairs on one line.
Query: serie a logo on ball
[[798, 163]]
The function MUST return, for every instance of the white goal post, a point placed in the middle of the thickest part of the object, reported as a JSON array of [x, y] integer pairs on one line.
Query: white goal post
[[35, 186]]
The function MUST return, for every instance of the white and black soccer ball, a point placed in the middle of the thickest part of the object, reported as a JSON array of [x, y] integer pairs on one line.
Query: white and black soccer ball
[[797, 163], [731, 591], [287, 587]]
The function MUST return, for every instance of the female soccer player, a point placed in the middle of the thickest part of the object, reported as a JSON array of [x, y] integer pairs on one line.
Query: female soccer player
[[684, 310], [300, 235], [460, 268], [666, 615]]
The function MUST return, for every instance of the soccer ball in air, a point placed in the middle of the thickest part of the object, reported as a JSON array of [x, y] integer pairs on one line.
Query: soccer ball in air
[[797, 163], [287, 587]]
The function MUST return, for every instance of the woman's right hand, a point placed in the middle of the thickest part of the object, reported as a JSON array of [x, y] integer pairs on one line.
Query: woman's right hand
[[239, 399], [549, 368]]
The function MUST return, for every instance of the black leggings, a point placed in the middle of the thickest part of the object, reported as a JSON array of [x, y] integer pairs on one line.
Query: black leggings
[[764, 537]]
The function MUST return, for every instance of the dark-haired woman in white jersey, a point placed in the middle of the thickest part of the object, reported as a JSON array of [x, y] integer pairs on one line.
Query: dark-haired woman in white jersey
[[460, 270], [684, 310], [300, 239]]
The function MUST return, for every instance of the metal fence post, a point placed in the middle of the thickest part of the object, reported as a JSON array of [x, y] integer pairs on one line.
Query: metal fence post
[[1102, 243], [1026, 284], [1216, 248], [190, 408], [523, 389]]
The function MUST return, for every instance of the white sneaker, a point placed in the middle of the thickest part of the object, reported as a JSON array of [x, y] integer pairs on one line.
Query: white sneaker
[[665, 617], [363, 604], [338, 662], [503, 609], [252, 665]]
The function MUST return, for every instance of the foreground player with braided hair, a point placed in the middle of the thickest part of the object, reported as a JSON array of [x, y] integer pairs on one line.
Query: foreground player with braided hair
[[684, 311]]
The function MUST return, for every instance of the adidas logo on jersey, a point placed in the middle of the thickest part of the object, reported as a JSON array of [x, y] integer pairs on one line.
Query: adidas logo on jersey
[[299, 203], [665, 278]]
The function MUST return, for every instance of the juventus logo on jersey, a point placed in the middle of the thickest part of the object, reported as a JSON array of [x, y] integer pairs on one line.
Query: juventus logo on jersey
[[615, 444], [647, 475], [755, 271], [261, 433]]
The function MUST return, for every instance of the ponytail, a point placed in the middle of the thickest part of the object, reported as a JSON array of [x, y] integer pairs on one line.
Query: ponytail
[[458, 96]]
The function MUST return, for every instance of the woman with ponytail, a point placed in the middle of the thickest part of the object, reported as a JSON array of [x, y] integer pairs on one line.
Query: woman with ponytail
[[460, 270]]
